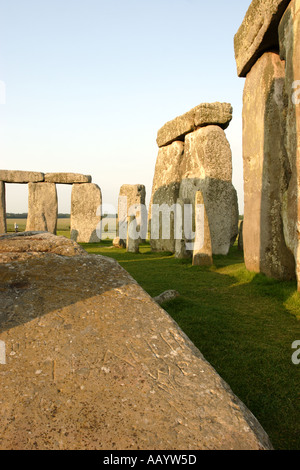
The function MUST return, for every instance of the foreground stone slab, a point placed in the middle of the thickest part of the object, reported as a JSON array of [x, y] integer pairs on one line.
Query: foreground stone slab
[[266, 169], [42, 207], [258, 32], [2, 208], [12, 176], [86, 203], [92, 362], [202, 115], [289, 37], [67, 178]]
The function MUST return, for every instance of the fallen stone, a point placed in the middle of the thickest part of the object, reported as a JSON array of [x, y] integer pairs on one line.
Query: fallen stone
[[92, 362], [289, 38], [2, 208], [165, 191], [67, 178], [118, 243], [86, 203], [42, 207], [166, 296], [200, 116], [266, 169], [12, 176], [258, 33], [202, 254]]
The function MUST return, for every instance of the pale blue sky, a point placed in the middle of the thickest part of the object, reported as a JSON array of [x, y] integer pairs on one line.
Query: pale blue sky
[[89, 83]]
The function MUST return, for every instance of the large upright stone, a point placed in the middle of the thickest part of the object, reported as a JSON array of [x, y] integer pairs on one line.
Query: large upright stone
[[2, 208], [67, 178], [289, 37], [202, 115], [86, 203], [202, 254], [132, 213], [266, 169], [42, 207], [258, 32], [207, 167], [21, 177], [165, 191]]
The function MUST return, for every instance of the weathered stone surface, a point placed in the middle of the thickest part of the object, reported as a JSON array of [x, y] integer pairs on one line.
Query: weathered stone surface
[[92, 362], [67, 178], [86, 202], [166, 296], [207, 167], [2, 208], [165, 190], [42, 207], [289, 37], [258, 32], [202, 115], [12, 176], [202, 254], [266, 169]]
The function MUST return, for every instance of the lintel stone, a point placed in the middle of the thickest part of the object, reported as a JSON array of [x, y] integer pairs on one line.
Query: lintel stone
[[21, 177], [67, 178]]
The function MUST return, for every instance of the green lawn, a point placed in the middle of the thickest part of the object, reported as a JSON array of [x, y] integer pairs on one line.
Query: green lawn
[[243, 323]]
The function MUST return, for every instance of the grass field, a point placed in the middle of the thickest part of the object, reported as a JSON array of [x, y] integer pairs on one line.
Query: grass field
[[243, 323]]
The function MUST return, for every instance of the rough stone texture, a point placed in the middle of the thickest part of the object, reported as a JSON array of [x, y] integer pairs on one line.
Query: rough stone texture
[[67, 178], [166, 296], [202, 254], [24, 245], [289, 37], [266, 169], [207, 167], [258, 32], [92, 362], [2, 208], [12, 176], [42, 207], [202, 115], [86, 203], [165, 190]]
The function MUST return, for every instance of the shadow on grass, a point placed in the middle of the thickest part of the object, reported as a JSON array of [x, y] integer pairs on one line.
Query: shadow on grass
[[243, 323]]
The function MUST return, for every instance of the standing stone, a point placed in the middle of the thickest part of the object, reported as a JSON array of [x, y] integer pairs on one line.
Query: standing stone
[[42, 207], [258, 32], [2, 208], [207, 167], [266, 169], [202, 255], [132, 209], [165, 191], [86, 202], [289, 38]]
